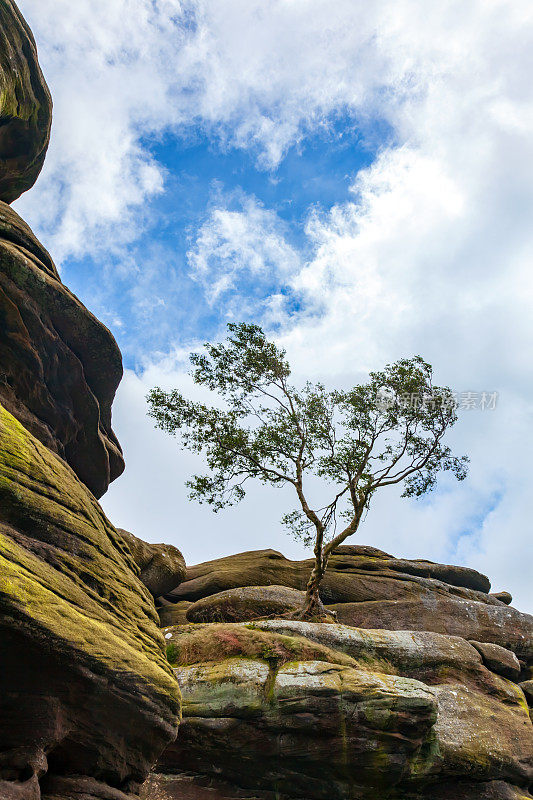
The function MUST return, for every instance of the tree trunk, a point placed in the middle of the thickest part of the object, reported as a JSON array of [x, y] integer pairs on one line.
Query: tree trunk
[[313, 604]]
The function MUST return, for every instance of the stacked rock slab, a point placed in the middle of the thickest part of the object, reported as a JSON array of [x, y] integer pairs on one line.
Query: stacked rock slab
[[433, 704], [59, 366], [88, 700], [288, 709], [366, 587]]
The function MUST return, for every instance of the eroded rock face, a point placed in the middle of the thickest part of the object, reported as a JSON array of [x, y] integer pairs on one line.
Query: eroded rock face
[[25, 106], [367, 588], [353, 575], [247, 603], [501, 625], [367, 714], [88, 698], [59, 366], [162, 566]]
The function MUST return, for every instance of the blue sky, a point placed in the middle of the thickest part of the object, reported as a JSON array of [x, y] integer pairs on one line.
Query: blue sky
[[358, 178], [165, 305]]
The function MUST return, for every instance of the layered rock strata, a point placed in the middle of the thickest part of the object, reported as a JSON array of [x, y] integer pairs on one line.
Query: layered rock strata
[[162, 566], [88, 700], [280, 708], [59, 366], [367, 588]]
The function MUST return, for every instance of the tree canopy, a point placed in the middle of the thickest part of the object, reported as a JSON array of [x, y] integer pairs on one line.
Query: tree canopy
[[384, 432]]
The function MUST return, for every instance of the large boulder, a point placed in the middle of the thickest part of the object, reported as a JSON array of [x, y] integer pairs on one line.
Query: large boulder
[[162, 566], [25, 106], [355, 574], [366, 588], [59, 366], [500, 624], [329, 712], [248, 603], [88, 699]]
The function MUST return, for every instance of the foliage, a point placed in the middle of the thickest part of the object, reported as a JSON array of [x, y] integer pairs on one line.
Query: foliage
[[386, 431], [173, 653]]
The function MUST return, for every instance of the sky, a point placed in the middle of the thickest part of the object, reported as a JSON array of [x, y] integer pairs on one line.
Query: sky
[[355, 177]]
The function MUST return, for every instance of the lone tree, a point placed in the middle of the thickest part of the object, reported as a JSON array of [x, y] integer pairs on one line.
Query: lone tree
[[387, 431]]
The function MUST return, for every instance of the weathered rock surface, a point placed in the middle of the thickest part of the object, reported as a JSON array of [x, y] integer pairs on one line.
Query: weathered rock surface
[[25, 106], [367, 588], [247, 603], [355, 574], [59, 366], [367, 714], [504, 597], [527, 688], [500, 625], [162, 566], [499, 660], [88, 697]]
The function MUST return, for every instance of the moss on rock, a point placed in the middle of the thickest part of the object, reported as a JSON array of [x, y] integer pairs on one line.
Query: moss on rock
[[70, 589]]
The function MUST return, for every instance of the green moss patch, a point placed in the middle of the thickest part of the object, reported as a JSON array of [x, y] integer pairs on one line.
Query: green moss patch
[[195, 644]]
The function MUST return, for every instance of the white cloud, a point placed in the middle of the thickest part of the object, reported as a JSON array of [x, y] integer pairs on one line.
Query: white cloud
[[243, 242], [433, 253], [256, 77]]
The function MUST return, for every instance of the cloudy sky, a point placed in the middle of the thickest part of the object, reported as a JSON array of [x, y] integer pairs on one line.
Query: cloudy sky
[[357, 177]]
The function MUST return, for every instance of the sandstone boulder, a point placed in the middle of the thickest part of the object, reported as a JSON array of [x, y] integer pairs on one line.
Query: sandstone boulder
[[503, 597], [88, 699], [366, 588], [25, 106], [162, 566], [355, 574], [247, 603], [499, 660], [369, 713], [501, 624], [59, 366], [527, 688]]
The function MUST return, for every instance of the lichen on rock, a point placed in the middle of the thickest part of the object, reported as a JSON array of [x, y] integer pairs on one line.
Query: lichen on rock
[[320, 711], [87, 689], [59, 366]]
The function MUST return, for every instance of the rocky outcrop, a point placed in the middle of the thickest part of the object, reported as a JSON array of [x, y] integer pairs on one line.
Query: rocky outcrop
[[330, 712], [59, 366], [355, 574], [501, 625], [248, 603], [191, 786], [25, 106], [273, 718], [88, 700], [366, 588], [162, 566], [86, 688]]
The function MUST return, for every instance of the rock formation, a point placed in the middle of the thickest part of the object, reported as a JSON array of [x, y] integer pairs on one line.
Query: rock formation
[[366, 588], [88, 700], [162, 566], [59, 366], [424, 694], [421, 690], [26, 106]]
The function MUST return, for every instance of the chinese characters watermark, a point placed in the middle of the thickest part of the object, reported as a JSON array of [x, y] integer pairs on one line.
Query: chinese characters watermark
[[461, 401]]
